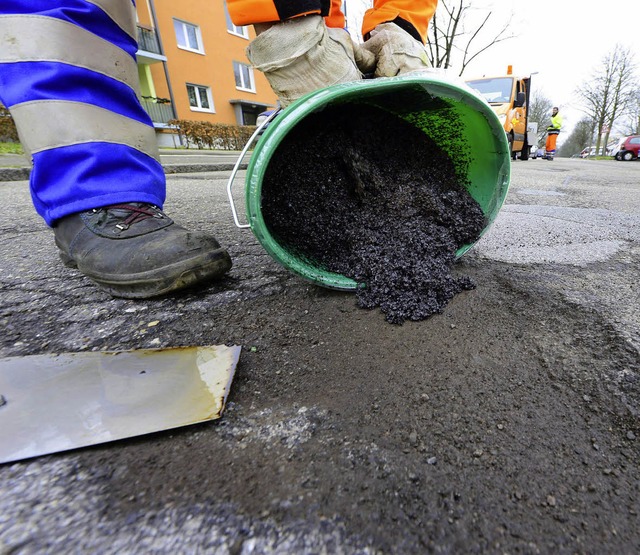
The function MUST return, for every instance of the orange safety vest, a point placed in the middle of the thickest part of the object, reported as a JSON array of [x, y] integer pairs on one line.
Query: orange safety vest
[[413, 16]]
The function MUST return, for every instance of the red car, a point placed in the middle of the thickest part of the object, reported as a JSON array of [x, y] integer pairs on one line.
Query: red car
[[628, 148]]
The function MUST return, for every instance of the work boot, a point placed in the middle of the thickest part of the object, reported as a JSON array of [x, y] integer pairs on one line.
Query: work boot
[[136, 251]]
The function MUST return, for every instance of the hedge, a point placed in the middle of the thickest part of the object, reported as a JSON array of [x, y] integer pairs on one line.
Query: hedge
[[8, 131], [218, 136]]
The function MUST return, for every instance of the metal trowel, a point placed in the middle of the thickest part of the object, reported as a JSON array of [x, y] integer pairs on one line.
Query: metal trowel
[[57, 402]]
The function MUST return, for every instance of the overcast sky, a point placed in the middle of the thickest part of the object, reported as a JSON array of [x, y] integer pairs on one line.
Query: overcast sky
[[564, 41]]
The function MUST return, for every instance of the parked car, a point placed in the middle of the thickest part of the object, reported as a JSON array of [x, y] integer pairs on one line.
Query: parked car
[[262, 116], [589, 151], [628, 148]]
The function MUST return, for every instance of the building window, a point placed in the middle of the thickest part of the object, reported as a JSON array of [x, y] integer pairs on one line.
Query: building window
[[235, 29], [200, 98], [188, 36], [244, 77]]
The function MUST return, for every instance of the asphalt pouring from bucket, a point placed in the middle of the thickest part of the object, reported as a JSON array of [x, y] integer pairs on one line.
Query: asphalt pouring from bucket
[[363, 193]]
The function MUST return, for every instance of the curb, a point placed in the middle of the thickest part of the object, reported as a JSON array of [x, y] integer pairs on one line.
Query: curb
[[196, 168], [14, 174], [22, 174]]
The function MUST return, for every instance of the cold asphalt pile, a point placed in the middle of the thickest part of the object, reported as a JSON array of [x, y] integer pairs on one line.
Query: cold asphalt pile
[[367, 195], [507, 424]]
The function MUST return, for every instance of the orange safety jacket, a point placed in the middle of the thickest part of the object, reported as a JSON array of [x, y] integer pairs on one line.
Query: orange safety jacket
[[411, 15]]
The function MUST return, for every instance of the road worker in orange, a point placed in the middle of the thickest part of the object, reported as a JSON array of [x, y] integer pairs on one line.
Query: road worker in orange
[[552, 134], [302, 46]]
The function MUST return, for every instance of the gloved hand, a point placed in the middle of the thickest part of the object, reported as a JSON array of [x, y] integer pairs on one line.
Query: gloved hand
[[395, 51], [301, 55]]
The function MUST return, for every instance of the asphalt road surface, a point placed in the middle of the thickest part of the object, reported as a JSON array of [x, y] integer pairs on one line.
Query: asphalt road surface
[[507, 424]]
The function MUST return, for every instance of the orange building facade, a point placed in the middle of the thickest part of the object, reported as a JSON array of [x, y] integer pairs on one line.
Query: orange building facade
[[192, 66]]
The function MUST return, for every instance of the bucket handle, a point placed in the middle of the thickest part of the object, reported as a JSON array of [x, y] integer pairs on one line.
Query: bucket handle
[[237, 166]]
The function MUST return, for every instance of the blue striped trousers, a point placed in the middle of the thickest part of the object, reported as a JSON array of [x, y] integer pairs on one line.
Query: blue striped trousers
[[68, 75]]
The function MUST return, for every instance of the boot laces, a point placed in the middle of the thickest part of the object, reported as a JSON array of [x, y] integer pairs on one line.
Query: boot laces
[[137, 213]]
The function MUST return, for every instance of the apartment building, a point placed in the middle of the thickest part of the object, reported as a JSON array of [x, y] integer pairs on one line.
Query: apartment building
[[192, 65]]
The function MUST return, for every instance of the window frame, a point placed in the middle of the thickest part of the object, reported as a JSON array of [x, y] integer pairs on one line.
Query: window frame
[[241, 31], [252, 78], [200, 49], [199, 108]]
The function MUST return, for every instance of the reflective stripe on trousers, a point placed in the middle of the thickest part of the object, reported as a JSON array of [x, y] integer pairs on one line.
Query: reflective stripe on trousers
[[69, 77]]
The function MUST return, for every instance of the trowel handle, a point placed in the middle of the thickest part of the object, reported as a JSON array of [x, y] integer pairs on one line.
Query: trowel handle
[[237, 166]]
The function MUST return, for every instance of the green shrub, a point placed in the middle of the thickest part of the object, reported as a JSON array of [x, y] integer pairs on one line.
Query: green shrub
[[8, 131], [217, 136]]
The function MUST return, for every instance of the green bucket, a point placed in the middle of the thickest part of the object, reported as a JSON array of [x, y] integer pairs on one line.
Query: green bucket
[[457, 119]]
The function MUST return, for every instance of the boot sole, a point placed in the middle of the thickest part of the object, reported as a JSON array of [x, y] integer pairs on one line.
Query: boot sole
[[174, 277]]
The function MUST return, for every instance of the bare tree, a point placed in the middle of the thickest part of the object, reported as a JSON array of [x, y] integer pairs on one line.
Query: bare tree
[[607, 95], [631, 123], [452, 33], [579, 139]]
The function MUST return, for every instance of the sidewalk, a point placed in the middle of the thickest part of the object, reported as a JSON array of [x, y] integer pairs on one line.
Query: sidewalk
[[16, 167]]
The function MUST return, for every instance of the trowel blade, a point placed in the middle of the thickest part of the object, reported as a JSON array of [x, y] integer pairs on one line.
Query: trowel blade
[[52, 403]]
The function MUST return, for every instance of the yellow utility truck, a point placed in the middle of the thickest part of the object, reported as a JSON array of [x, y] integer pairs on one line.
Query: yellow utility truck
[[508, 96]]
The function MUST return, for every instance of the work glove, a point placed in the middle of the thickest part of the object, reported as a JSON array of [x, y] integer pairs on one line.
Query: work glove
[[395, 52], [301, 55]]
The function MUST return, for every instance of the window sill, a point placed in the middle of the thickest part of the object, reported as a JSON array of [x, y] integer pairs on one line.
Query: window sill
[[187, 49], [246, 37], [205, 110]]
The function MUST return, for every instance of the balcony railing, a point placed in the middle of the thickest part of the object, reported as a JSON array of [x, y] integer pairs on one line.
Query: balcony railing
[[148, 40], [160, 109]]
